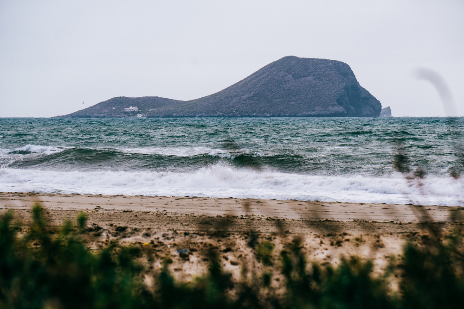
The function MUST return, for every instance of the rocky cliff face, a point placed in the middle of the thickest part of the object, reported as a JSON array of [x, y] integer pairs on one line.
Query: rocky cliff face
[[291, 86], [386, 112]]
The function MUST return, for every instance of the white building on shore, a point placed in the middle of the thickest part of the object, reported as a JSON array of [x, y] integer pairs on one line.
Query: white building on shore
[[131, 109]]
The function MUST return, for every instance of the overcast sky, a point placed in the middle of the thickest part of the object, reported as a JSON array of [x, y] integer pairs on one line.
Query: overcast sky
[[55, 55]]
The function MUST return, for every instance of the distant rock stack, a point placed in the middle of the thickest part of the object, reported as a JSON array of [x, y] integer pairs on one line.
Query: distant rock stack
[[386, 112], [289, 87]]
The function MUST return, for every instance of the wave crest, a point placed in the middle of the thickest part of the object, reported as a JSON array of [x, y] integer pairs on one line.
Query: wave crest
[[225, 181]]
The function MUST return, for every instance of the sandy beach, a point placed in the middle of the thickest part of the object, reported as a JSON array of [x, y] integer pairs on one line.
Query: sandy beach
[[100, 207], [328, 230]]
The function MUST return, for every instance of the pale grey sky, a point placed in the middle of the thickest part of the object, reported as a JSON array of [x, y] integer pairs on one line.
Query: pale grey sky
[[55, 55]]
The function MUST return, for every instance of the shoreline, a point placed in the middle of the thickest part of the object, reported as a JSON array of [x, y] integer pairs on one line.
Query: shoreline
[[233, 207]]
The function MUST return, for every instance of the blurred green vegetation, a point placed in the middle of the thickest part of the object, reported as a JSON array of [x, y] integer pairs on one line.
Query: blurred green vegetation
[[46, 267]]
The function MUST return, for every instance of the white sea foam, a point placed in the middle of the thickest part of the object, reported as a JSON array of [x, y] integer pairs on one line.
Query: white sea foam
[[177, 151], [225, 181], [9, 156], [37, 149]]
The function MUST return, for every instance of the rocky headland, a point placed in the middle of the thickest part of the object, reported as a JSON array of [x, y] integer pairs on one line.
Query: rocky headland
[[288, 87]]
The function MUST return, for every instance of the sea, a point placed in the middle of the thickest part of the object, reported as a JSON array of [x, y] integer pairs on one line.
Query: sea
[[324, 159]]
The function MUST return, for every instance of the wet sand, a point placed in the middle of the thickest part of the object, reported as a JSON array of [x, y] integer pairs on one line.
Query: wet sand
[[203, 206]]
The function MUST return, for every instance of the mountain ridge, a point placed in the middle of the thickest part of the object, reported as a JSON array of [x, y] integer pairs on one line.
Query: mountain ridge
[[288, 87]]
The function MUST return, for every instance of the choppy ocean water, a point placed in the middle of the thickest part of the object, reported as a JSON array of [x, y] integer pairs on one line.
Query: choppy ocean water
[[327, 159]]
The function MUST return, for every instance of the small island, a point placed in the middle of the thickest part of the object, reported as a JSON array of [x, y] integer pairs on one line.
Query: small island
[[386, 112], [288, 87]]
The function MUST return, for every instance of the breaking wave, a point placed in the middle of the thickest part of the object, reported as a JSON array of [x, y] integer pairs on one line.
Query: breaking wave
[[226, 181]]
